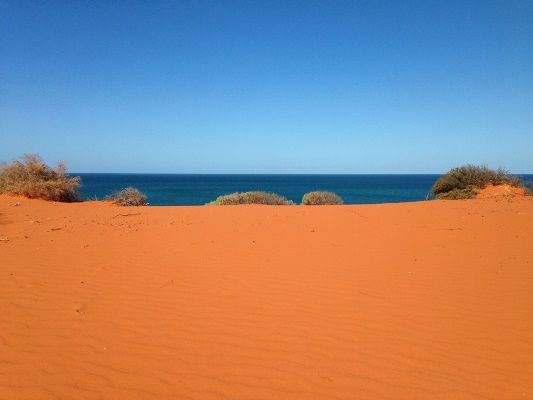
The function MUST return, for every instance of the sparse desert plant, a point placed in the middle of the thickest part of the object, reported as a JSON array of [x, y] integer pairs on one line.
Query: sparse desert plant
[[457, 194], [321, 198], [251, 198], [29, 176], [129, 196], [528, 187], [462, 182]]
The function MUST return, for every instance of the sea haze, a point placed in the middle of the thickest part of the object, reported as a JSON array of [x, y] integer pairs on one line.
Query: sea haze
[[191, 189]]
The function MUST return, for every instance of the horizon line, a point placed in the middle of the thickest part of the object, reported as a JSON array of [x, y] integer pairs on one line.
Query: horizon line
[[267, 173]]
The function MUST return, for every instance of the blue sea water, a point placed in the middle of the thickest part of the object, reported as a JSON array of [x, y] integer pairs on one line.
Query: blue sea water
[[189, 189]]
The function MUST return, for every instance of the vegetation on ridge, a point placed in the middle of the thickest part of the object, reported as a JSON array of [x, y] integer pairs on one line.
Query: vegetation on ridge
[[528, 187], [129, 196], [463, 182], [321, 198], [29, 176], [265, 198]]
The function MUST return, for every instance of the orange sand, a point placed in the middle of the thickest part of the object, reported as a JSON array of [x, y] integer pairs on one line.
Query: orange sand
[[429, 300], [492, 191]]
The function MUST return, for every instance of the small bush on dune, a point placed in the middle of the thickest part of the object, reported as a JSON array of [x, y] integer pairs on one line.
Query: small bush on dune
[[129, 196], [31, 177], [251, 198], [462, 182], [458, 194], [321, 198], [528, 187]]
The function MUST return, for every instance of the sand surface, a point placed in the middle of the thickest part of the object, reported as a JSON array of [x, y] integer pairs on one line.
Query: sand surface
[[500, 191], [429, 300]]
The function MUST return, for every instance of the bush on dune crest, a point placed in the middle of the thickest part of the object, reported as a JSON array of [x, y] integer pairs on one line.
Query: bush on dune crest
[[528, 187], [31, 177], [457, 194], [129, 196], [251, 198], [321, 198], [462, 182]]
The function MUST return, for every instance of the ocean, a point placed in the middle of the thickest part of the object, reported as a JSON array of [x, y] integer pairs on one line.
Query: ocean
[[191, 189]]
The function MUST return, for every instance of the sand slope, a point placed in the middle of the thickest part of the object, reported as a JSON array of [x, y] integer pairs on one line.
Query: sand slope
[[430, 300]]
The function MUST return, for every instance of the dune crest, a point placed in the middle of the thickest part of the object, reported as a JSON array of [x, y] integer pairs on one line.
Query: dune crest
[[504, 190], [428, 300]]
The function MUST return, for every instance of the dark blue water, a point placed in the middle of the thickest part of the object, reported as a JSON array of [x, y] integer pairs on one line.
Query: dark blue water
[[178, 189]]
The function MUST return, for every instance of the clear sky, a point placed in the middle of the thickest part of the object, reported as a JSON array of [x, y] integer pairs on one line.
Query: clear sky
[[267, 86]]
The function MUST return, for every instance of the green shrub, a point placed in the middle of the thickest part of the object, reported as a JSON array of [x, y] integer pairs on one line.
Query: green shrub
[[528, 187], [31, 177], [129, 196], [463, 181], [457, 194], [321, 198], [251, 198]]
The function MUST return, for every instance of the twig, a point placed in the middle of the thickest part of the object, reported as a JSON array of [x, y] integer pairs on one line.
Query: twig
[[126, 215], [371, 295], [170, 282]]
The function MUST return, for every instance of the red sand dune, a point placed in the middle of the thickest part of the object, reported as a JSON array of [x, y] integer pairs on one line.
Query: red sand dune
[[428, 300], [492, 191]]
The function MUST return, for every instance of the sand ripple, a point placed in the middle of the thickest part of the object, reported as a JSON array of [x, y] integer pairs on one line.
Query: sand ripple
[[428, 300]]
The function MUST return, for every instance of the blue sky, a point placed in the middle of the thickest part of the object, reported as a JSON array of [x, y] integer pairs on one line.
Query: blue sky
[[268, 87]]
